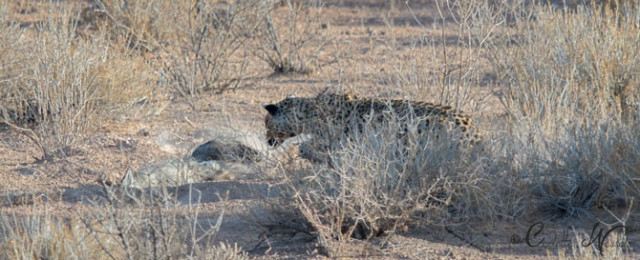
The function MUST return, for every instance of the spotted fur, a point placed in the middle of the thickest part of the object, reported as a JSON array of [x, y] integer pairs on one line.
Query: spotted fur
[[329, 116]]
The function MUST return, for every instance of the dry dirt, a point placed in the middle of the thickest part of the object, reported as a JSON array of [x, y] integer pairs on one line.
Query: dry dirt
[[177, 130]]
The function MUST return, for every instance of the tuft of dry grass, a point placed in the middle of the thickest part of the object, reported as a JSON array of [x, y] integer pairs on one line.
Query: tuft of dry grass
[[567, 77], [579, 63], [63, 85]]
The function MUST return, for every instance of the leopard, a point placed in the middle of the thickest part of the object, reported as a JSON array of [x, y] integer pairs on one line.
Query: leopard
[[330, 117]]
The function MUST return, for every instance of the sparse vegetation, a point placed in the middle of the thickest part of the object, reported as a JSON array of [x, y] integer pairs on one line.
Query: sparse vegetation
[[567, 92], [206, 54], [123, 224], [291, 36], [44, 237], [199, 44], [377, 183], [571, 99], [552, 85], [64, 84]]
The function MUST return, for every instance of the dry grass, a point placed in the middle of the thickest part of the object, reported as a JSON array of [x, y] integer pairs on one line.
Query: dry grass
[[45, 237], [68, 84], [616, 246], [567, 79], [443, 64], [291, 37], [571, 96], [583, 67], [377, 185], [569, 149], [141, 25], [207, 49], [124, 224], [383, 175], [199, 44]]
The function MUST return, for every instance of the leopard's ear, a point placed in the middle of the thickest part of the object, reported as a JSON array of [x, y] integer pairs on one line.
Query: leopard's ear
[[271, 108], [291, 96], [350, 94]]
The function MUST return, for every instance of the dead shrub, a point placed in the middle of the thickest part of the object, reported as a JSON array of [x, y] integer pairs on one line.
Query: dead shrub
[[207, 51], [151, 223], [141, 25], [443, 64], [572, 101], [124, 224], [199, 43], [63, 86], [580, 63], [291, 37], [377, 183]]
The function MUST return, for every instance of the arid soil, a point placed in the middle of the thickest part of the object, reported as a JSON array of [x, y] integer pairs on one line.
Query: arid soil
[[362, 32]]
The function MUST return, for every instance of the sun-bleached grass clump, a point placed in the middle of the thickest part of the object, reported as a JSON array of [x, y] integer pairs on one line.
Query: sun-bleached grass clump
[[63, 86], [572, 101], [382, 179]]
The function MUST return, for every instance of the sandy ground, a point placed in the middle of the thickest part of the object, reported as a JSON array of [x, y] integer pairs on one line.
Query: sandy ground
[[177, 130]]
